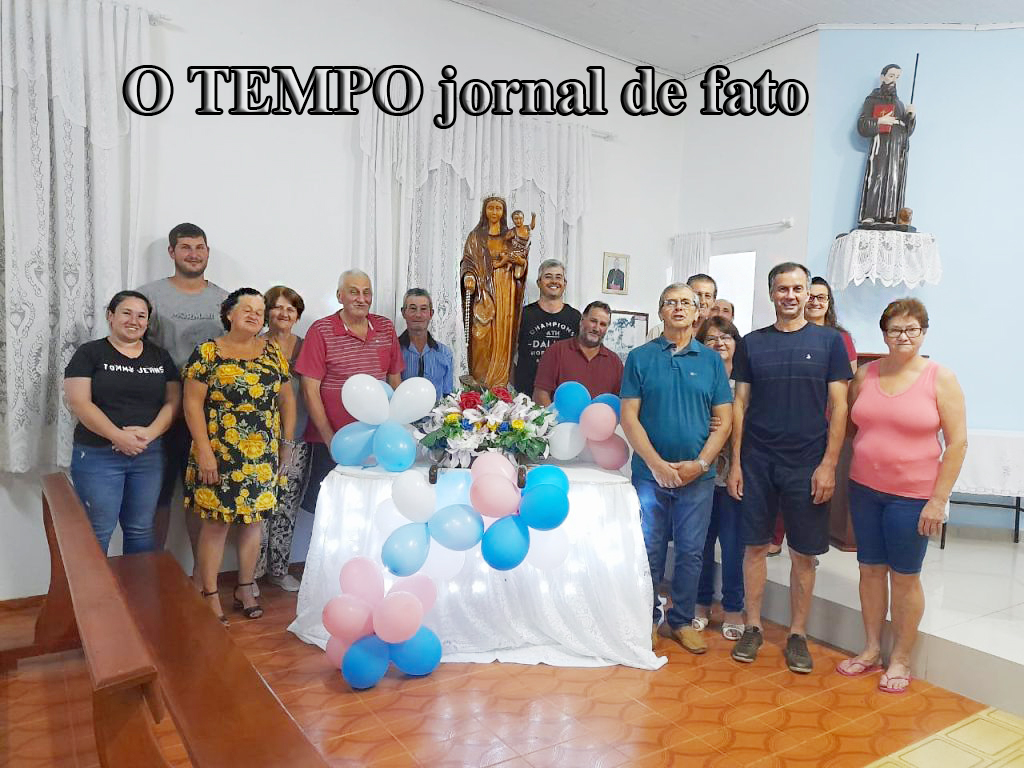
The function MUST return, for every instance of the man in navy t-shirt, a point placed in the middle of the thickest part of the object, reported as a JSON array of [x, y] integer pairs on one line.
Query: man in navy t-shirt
[[785, 450]]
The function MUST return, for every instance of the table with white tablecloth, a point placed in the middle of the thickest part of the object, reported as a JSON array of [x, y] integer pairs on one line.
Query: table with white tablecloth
[[592, 610], [994, 466]]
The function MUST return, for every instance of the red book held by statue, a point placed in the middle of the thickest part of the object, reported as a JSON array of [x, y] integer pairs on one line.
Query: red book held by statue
[[879, 111]]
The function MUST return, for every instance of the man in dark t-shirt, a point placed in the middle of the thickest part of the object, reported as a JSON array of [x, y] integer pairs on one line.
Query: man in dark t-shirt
[[784, 450], [545, 321]]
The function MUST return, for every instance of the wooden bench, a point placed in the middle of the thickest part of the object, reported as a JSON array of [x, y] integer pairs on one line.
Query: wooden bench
[[148, 638]]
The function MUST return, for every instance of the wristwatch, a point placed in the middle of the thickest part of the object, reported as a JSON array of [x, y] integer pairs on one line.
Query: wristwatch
[[703, 464]]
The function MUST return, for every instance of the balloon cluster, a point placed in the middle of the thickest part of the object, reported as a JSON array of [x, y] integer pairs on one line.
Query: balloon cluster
[[369, 629], [585, 422], [380, 414], [543, 505]]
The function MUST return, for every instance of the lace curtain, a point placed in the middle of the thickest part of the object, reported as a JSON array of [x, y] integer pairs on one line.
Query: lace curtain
[[422, 189], [68, 181], [691, 254]]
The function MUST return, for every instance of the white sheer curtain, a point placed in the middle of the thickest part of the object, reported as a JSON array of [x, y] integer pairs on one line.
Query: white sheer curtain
[[68, 180], [691, 254], [422, 189]]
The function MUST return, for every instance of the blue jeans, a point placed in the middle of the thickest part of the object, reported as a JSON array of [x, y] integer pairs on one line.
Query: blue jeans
[[114, 487], [726, 526], [886, 529], [682, 513]]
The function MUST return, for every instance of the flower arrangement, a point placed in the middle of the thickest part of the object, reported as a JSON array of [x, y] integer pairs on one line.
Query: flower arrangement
[[475, 420]]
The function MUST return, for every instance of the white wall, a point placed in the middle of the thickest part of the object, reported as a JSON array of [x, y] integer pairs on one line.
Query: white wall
[[276, 194], [730, 180]]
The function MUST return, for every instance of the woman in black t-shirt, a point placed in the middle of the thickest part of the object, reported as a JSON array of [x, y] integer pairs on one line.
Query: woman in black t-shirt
[[124, 390]]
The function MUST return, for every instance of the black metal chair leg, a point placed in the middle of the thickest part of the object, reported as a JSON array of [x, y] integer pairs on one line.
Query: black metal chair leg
[[942, 544]]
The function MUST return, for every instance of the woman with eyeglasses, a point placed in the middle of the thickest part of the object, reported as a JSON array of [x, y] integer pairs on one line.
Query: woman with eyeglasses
[[900, 482], [721, 335]]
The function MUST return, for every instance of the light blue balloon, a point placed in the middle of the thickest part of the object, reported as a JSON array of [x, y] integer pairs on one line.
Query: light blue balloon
[[365, 662], [571, 398], [452, 487], [387, 389], [457, 527], [505, 543], [405, 550], [544, 507], [419, 655], [546, 475], [394, 447], [613, 401], [353, 443]]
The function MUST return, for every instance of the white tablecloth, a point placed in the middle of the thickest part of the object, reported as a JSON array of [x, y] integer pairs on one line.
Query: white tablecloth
[[887, 257], [994, 465], [593, 610]]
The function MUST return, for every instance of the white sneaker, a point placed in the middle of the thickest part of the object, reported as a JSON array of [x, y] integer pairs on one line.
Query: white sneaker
[[287, 582]]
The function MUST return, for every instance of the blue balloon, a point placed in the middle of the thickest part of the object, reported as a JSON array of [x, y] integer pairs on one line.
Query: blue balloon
[[387, 389], [394, 447], [505, 543], [571, 398], [613, 401], [365, 662], [353, 443], [544, 507], [452, 487], [405, 550], [546, 475], [419, 655], [457, 527]]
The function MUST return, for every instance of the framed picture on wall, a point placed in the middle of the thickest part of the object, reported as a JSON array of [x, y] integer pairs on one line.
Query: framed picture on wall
[[615, 275], [626, 331]]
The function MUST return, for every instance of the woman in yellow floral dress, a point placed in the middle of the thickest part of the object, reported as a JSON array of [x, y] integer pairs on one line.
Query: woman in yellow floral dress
[[242, 419]]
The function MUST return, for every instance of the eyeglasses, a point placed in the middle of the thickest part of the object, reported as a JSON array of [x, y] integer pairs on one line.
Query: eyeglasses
[[709, 340], [681, 303], [816, 299], [912, 333]]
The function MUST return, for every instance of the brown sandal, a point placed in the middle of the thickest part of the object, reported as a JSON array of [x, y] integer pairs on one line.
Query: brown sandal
[[253, 612]]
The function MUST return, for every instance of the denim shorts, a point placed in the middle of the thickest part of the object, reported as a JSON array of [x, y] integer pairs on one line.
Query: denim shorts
[[769, 487], [886, 529]]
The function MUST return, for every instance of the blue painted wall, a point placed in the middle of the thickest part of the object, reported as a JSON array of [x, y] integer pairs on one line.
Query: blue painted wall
[[965, 179]]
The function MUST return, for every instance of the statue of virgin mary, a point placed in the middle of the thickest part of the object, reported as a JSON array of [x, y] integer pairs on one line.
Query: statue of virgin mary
[[493, 281]]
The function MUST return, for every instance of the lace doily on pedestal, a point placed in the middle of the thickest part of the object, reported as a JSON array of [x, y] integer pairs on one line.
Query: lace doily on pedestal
[[887, 257]]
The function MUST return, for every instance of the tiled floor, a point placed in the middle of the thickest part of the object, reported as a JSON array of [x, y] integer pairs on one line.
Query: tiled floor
[[695, 711]]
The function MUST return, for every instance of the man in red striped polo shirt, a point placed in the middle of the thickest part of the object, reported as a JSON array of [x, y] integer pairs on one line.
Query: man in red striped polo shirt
[[337, 347]]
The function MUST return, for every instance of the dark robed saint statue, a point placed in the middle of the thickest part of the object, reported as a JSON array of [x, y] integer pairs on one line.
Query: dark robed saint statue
[[493, 281], [888, 123]]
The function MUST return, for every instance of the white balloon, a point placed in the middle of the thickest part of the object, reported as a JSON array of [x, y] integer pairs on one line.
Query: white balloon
[[412, 400], [548, 549], [442, 564], [414, 496], [364, 397], [388, 518], [566, 441]]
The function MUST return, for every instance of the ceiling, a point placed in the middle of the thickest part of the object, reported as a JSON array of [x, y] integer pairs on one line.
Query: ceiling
[[684, 37]]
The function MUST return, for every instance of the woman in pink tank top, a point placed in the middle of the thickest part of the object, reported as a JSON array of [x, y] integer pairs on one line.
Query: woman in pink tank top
[[900, 482]]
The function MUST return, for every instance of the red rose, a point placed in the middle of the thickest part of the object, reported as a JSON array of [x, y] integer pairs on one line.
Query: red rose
[[469, 400], [502, 394]]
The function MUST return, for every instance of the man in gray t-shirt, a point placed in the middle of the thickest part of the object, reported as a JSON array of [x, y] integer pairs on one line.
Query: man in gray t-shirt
[[186, 312]]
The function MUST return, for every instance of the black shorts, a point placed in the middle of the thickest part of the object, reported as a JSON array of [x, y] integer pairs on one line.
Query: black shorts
[[177, 444], [770, 487]]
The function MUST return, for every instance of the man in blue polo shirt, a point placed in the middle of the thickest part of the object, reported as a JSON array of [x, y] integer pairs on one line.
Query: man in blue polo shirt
[[671, 388], [785, 449]]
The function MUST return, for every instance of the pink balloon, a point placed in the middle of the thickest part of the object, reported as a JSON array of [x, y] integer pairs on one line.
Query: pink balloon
[[347, 618], [611, 453], [420, 585], [597, 422], [494, 496], [492, 463], [336, 651], [361, 577], [398, 617]]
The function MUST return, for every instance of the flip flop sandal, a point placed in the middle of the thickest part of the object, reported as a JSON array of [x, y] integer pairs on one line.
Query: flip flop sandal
[[854, 668], [888, 688], [732, 631], [700, 623]]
